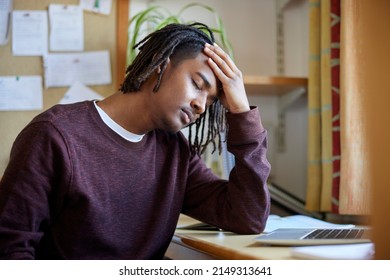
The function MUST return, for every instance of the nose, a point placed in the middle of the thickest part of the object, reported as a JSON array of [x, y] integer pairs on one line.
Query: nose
[[198, 105]]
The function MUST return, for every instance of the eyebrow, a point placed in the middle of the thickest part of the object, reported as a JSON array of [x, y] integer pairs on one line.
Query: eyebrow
[[208, 86], [205, 80], [213, 98]]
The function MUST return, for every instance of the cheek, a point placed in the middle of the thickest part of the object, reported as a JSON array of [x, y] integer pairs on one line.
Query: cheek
[[177, 90], [166, 104]]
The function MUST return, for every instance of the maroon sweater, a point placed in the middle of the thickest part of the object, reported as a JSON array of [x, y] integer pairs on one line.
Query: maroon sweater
[[74, 189]]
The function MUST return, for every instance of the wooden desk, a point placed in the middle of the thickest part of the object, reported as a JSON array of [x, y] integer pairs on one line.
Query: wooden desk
[[207, 245]]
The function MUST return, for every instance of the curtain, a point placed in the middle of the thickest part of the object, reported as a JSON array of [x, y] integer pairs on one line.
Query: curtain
[[335, 10], [323, 107]]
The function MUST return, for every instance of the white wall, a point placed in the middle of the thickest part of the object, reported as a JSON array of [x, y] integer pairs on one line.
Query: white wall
[[251, 28], [296, 37]]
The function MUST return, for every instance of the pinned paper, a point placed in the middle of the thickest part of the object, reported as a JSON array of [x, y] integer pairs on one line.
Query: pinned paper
[[66, 28], [88, 68], [5, 20], [79, 92], [97, 6], [19, 93], [29, 33]]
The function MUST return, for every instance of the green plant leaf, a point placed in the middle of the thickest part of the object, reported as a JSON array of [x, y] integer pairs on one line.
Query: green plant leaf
[[156, 17]]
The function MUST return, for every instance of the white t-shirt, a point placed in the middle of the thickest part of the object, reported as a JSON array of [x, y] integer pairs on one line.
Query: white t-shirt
[[129, 136]]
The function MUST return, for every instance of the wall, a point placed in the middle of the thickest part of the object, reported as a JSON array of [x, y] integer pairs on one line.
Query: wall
[[99, 34], [367, 23], [251, 28]]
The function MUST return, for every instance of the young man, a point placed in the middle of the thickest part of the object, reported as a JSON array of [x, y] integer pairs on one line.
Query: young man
[[108, 179]]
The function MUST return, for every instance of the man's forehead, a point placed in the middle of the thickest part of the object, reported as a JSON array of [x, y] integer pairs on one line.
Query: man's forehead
[[211, 83], [201, 68]]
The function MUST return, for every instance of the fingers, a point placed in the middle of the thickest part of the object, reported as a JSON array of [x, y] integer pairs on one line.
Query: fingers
[[223, 61], [234, 96]]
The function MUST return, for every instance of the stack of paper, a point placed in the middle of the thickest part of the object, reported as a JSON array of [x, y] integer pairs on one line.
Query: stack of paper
[[299, 221], [335, 252]]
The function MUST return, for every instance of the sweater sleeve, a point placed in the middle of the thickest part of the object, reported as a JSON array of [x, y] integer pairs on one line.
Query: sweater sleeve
[[242, 203], [38, 165]]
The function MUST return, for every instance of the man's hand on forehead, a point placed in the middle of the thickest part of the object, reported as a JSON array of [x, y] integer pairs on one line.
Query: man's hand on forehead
[[233, 96]]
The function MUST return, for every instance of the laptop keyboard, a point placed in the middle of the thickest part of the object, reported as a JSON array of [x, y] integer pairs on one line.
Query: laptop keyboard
[[335, 234]]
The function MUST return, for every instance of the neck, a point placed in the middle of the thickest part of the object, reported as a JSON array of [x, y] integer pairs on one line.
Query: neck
[[128, 110]]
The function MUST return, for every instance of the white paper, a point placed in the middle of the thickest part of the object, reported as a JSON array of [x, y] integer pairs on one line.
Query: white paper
[[335, 252], [18, 93], [97, 6], [29, 33], [299, 221], [5, 20], [66, 28], [89, 68], [78, 92]]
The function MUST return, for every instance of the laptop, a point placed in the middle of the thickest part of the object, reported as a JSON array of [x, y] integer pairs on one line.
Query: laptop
[[315, 236]]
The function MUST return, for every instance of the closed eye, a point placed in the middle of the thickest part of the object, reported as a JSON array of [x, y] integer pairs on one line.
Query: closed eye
[[197, 87]]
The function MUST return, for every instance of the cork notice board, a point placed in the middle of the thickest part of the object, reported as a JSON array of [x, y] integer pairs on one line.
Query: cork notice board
[[101, 32]]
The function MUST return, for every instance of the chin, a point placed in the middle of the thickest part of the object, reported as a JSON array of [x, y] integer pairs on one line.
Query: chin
[[172, 128], [176, 130], [173, 125]]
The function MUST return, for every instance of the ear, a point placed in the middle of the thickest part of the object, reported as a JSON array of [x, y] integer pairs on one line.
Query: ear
[[162, 65]]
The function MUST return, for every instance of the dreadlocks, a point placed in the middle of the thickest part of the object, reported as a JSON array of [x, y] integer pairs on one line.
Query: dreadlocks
[[178, 42]]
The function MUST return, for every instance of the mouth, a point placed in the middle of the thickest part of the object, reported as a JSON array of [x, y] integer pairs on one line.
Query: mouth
[[188, 116]]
